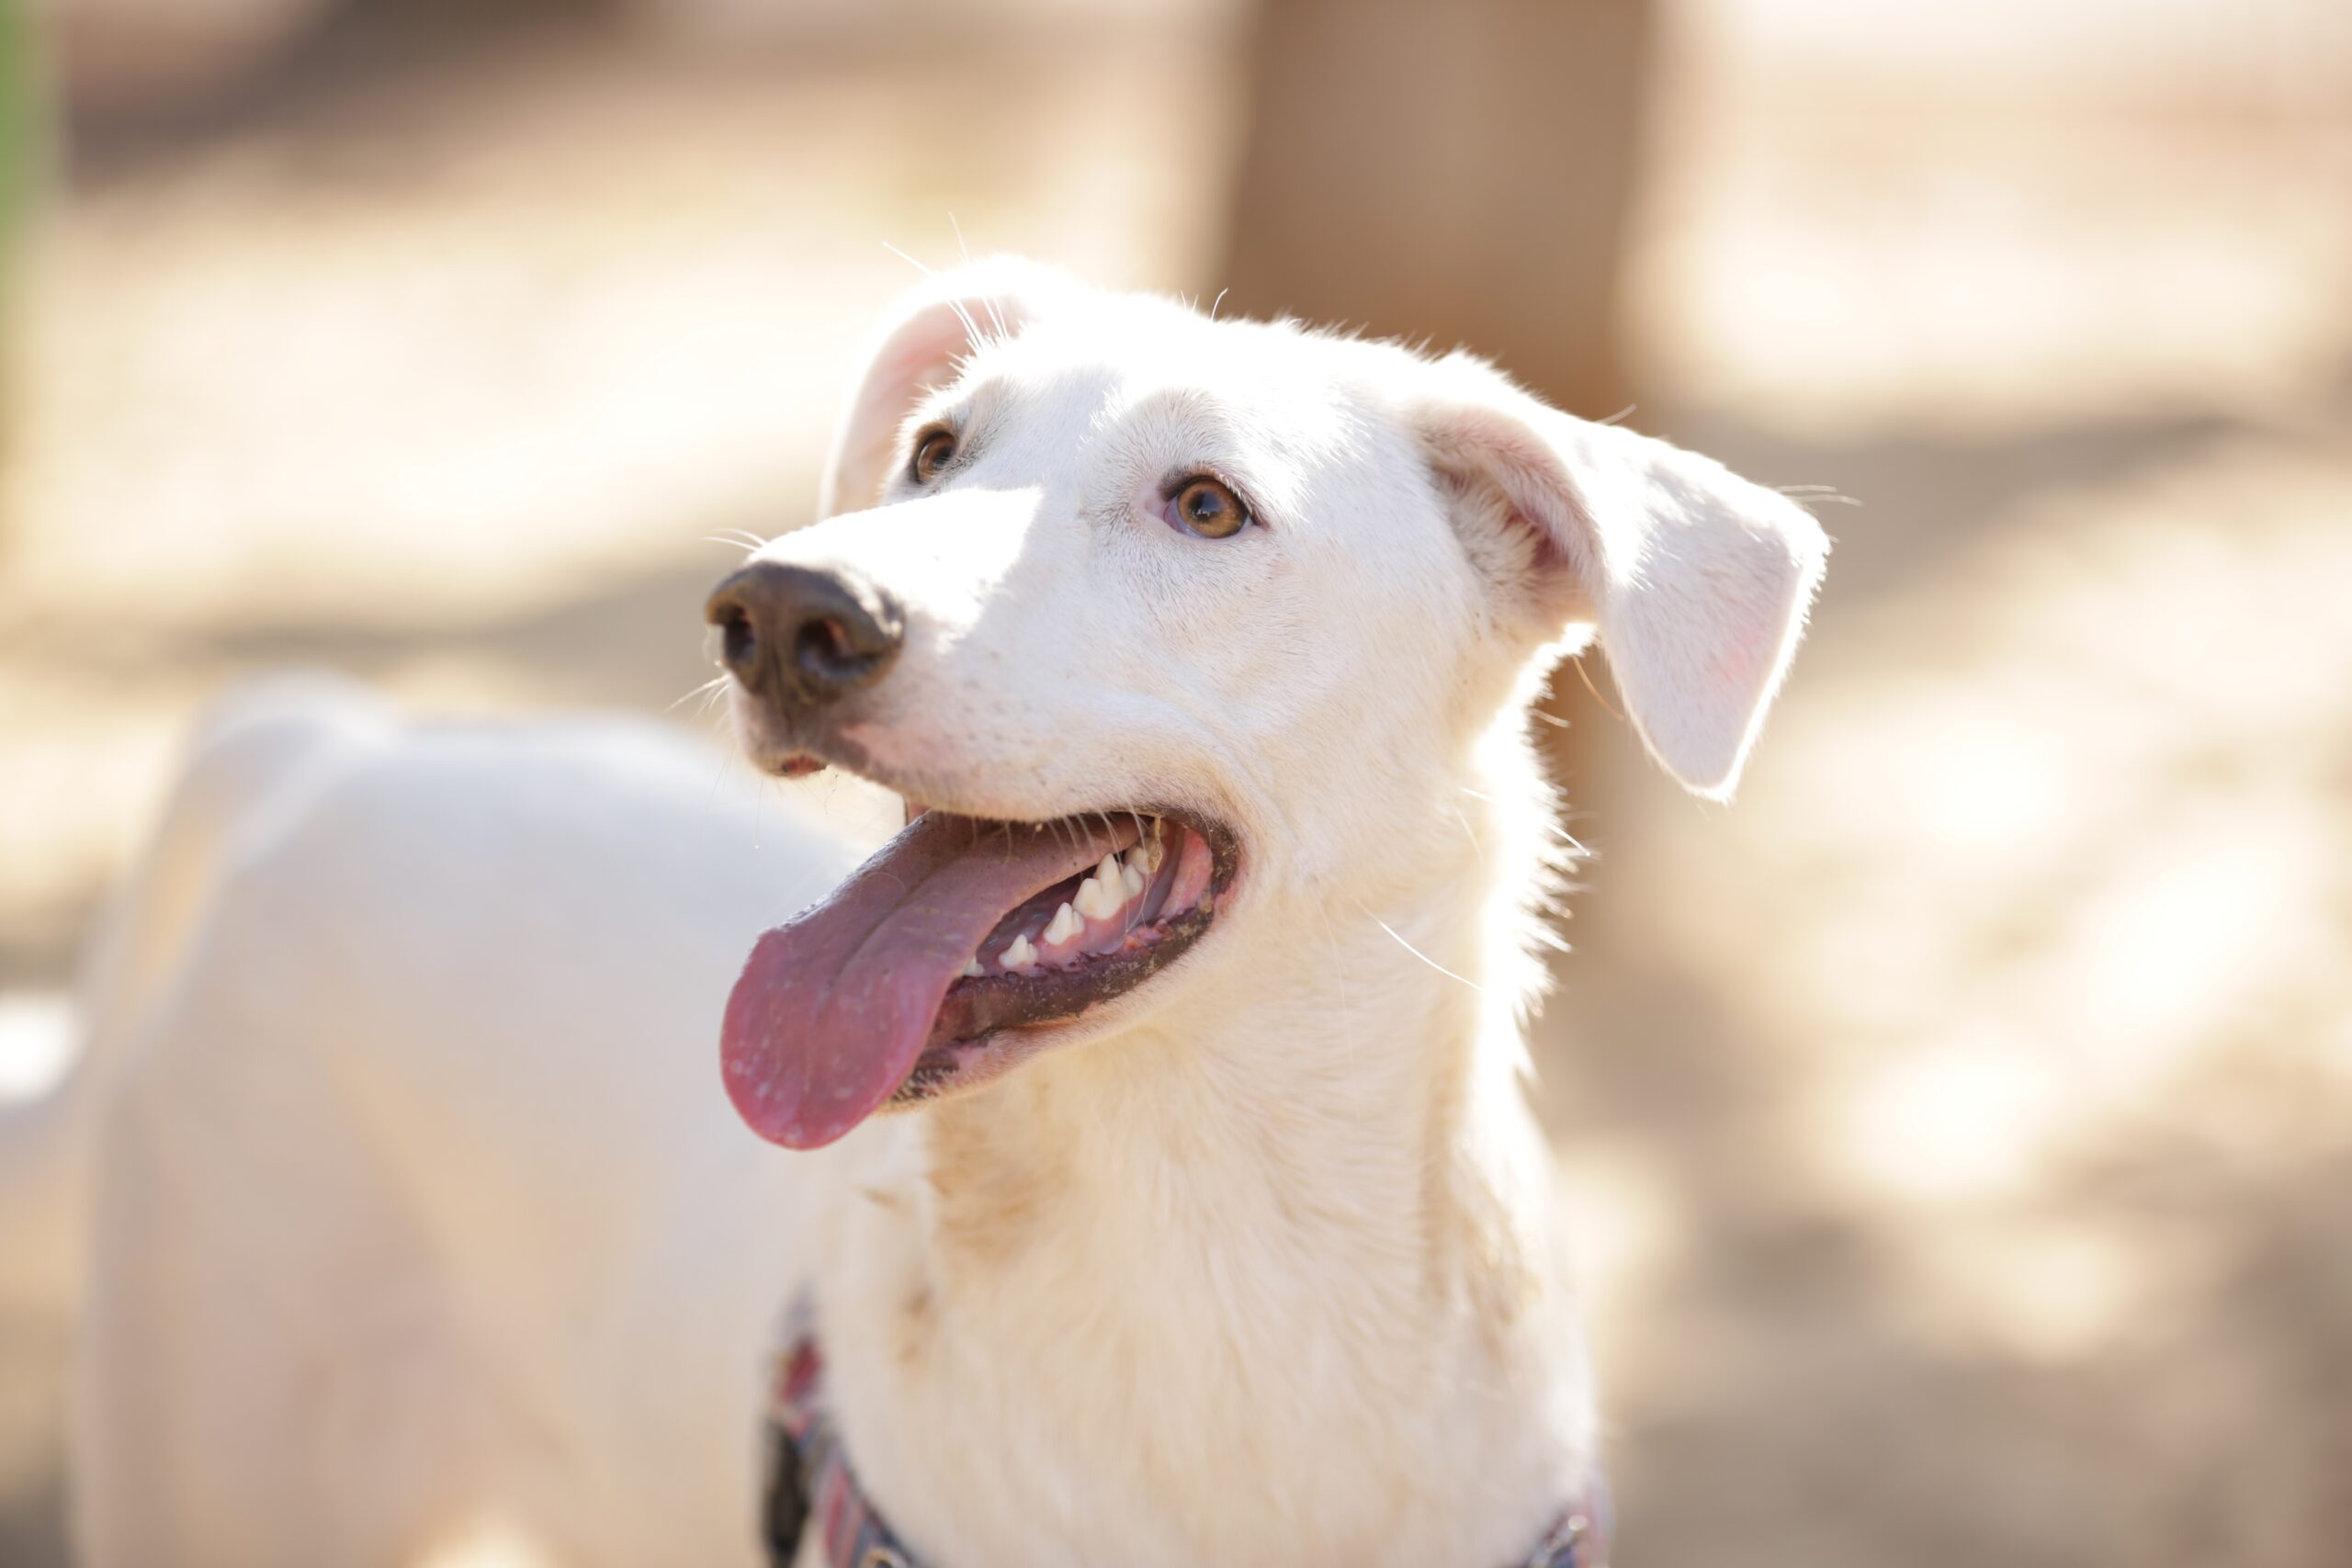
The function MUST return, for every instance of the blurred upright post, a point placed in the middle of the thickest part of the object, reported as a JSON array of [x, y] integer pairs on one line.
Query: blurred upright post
[[1461, 171]]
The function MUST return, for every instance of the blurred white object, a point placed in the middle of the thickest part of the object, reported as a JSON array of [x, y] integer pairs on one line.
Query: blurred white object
[[35, 1043]]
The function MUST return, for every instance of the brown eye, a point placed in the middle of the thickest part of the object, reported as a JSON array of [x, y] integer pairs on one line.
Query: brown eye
[[932, 453], [1208, 508]]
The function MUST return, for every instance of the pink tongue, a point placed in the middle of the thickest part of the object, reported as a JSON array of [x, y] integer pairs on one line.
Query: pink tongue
[[834, 1006]]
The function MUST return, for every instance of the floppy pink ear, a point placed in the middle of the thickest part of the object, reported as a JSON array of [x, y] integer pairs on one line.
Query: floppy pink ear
[[930, 329], [1697, 579]]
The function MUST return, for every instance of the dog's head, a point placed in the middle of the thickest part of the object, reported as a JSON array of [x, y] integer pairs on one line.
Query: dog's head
[[1151, 617]]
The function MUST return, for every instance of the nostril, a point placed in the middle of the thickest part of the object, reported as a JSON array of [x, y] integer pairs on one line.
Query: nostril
[[825, 646], [738, 640]]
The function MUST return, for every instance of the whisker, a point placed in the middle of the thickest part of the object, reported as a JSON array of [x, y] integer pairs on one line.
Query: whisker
[[1415, 951], [703, 690], [971, 328], [907, 259], [1810, 496], [996, 312], [1610, 708], [1469, 833]]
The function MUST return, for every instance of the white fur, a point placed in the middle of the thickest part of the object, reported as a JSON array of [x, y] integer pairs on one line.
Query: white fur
[[419, 1202]]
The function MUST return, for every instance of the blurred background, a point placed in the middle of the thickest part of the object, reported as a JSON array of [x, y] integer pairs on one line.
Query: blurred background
[[1961, 1124]]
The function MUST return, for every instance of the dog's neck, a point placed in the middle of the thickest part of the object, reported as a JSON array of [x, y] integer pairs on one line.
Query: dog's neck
[[1278, 1268]]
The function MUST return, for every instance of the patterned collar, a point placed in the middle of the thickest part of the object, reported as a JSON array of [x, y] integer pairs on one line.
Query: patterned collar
[[810, 1483]]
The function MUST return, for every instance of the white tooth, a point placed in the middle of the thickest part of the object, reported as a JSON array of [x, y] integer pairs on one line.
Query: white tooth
[[1019, 955], [1097, 898], [972, 970], [1131, 876], [1065, 925]]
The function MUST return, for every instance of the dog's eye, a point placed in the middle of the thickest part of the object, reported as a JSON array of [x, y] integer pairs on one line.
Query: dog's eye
[[1208, 509], [934, 451]]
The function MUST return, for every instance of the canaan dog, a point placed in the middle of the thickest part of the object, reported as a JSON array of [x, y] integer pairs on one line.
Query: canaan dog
[[1169, 1196]]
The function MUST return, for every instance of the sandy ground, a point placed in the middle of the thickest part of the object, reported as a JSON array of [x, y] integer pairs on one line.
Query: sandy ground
[[1958, 1123]]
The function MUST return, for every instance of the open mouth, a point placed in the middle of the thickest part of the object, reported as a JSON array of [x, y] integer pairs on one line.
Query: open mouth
[[940, 961]]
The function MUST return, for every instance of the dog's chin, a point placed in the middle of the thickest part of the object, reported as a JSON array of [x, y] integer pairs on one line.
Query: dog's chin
[[969, 945], [965, 1068]]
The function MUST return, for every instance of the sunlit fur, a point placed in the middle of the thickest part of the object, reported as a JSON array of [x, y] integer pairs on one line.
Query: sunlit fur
[[417, 1199]]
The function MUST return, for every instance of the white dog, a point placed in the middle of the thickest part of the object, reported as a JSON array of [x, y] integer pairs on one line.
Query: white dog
[[1174, 1200]]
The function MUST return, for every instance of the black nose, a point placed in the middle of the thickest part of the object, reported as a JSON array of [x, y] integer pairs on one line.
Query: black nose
[[800, 637]]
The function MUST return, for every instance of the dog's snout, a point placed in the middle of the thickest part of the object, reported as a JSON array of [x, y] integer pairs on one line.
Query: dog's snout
[[800, 637]]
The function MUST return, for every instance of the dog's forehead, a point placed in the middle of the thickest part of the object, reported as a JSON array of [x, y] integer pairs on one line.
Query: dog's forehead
[[1112, 357]]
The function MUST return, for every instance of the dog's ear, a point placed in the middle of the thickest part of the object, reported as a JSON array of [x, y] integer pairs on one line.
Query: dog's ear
[[923, 337], [1697, 580]]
